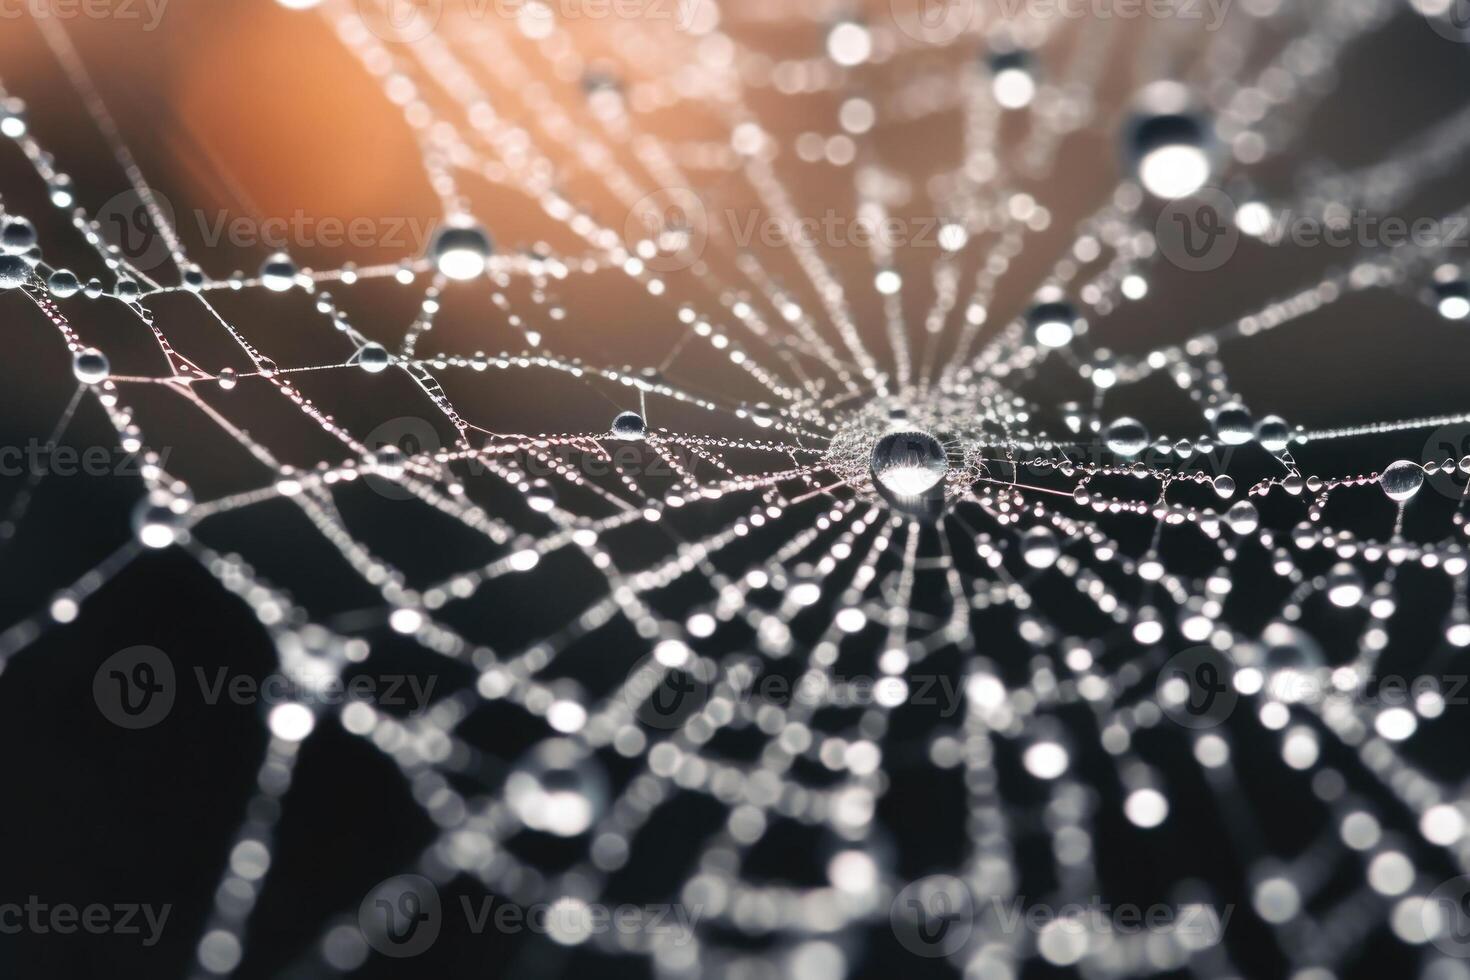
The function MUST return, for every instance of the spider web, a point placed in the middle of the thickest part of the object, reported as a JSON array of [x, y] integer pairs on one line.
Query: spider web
[[716, 598]]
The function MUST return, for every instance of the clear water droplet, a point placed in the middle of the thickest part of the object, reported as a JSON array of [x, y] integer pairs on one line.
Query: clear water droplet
[[1402, 479], [557, 788], [373, 358], [461, 251], [629, 425], [90, 366], [1127, 437], [1233, 425], [1039, 548], [278, 273], [909, 463], [63, 284]]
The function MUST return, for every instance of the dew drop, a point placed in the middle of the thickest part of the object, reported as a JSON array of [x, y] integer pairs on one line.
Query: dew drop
[[1127, 437], [460, 252], [557, 788], [372, 358], [1243, 517], [541, 496], [1233, 425], [90, 366], [909, 463], [1402, 479], [629, 425], [1171, 159], [1053, 324], [278, 273], [1039, 548], [1273, 433], [14, 271], [63, 284]]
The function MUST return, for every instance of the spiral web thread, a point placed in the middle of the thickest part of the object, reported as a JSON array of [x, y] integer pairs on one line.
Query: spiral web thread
[[1039, 493]]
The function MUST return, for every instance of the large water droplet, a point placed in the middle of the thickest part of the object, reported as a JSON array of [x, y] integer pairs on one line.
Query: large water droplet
[[278, 273], [372, 358], [1170, 153], [461, 251], [90, 366], [62, 284], [1053, 324], [1233, 425], [1039, 547], [1273, 433], [1344, 585], [629, 425], [1127, 437], [1402, 480], [909, 463], [14, 271]]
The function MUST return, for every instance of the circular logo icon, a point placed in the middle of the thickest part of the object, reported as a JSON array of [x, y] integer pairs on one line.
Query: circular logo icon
[[662, 697], [1448, 442], [390, 447], [1198, 233], [401, 916], [667, 229], [134, 688], [125, 222], [933, 21], [933, 916], [1195, 687], [1449, 18], [1445, 915], [400, 21]]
